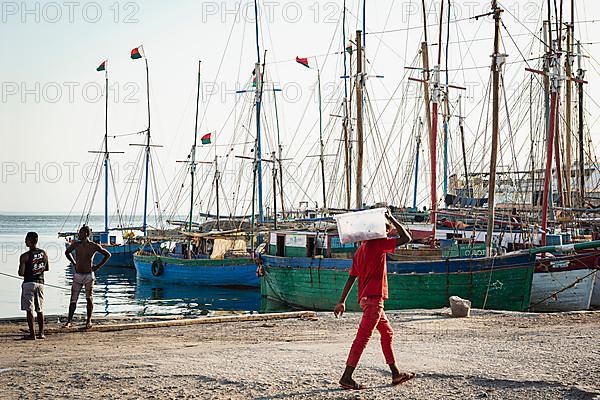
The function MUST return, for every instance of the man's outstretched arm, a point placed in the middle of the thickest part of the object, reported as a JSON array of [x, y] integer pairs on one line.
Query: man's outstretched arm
[[341, 305]]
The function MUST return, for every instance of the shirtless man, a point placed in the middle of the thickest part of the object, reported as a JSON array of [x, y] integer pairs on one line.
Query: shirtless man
[[84, 271]]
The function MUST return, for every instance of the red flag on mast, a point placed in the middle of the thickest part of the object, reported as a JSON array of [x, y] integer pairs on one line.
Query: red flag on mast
[[206, 138], [303, 61], [102, 67], [137, 53]]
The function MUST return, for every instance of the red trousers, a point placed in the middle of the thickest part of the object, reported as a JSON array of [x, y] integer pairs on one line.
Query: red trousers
[[373, 317]]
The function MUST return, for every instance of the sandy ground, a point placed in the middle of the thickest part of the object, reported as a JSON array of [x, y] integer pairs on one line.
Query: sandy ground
[[497, 356]]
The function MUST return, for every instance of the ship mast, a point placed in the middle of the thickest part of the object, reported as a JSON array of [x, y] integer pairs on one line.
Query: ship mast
[[435, 99], [258, 101], [193, 155], [346, 117], [145, 225], [554, 72], [461, 123], [496, 65], [106, 154], [580, 82], [568, 100], [417, 153], [359, 120]]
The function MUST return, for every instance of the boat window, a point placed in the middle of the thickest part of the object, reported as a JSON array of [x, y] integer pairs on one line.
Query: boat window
[[280, 251], [96, 239], [310, 246], [113, 240]]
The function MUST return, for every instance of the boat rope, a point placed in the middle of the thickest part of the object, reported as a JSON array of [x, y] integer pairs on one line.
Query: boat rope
[[93, 193], [220, 66], [416, 27], [123, 198], [135, 190], [277, 296], [533, 34], [152, 249], [118, 206], [553, 295], [158, 216], [57, 287], [72, 208], [128, 134], [487, 291]]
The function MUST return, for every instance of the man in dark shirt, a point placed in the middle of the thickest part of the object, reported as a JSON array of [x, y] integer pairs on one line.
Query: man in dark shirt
[[84, 271], [370, 267], [32, 266]]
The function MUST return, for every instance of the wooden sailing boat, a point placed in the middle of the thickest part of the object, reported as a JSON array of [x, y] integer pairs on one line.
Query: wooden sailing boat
[[561, 282], [214, 258], [307, 269], [560, 285], [122, 242]]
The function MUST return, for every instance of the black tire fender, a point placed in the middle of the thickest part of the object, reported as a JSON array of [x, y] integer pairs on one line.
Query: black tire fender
[[157, 267]]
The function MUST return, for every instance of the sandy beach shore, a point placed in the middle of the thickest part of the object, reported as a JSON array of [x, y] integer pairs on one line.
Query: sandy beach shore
[[490, 355]]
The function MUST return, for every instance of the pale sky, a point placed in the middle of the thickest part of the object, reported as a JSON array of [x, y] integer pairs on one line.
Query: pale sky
[[52, 108]]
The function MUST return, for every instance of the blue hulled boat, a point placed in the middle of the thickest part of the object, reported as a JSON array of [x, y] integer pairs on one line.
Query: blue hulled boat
[[217, 258], [211, 261], [204, 272]]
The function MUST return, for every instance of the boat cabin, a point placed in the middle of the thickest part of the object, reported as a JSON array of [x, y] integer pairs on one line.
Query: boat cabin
[[107, 238], [327, 245], [213, 247], [309, 244]]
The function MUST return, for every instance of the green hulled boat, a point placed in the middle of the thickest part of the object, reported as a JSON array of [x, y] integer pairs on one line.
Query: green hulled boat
[[308, 270]]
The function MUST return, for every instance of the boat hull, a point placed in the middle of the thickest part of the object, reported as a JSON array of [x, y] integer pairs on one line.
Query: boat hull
[[557, 291], [564, 283], [595, 302], [120, 255], [204, 272], [313, 283]]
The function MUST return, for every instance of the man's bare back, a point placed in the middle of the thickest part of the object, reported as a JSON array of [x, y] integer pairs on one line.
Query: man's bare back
[[84, 270], [84, 255]]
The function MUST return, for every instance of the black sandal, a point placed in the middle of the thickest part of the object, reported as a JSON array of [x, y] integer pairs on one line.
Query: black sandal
[[404, 377], [352, 386]]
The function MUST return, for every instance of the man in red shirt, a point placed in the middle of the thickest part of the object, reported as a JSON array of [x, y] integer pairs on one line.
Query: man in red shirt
[[369, 266]]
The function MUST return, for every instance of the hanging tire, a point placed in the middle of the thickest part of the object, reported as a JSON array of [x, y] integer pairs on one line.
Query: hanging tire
[[157, 267]]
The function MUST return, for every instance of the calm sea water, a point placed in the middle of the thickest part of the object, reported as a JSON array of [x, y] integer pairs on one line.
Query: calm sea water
[[117, 291]]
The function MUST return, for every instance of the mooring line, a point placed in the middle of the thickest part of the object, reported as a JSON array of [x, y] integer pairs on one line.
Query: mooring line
[[57, 287]]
